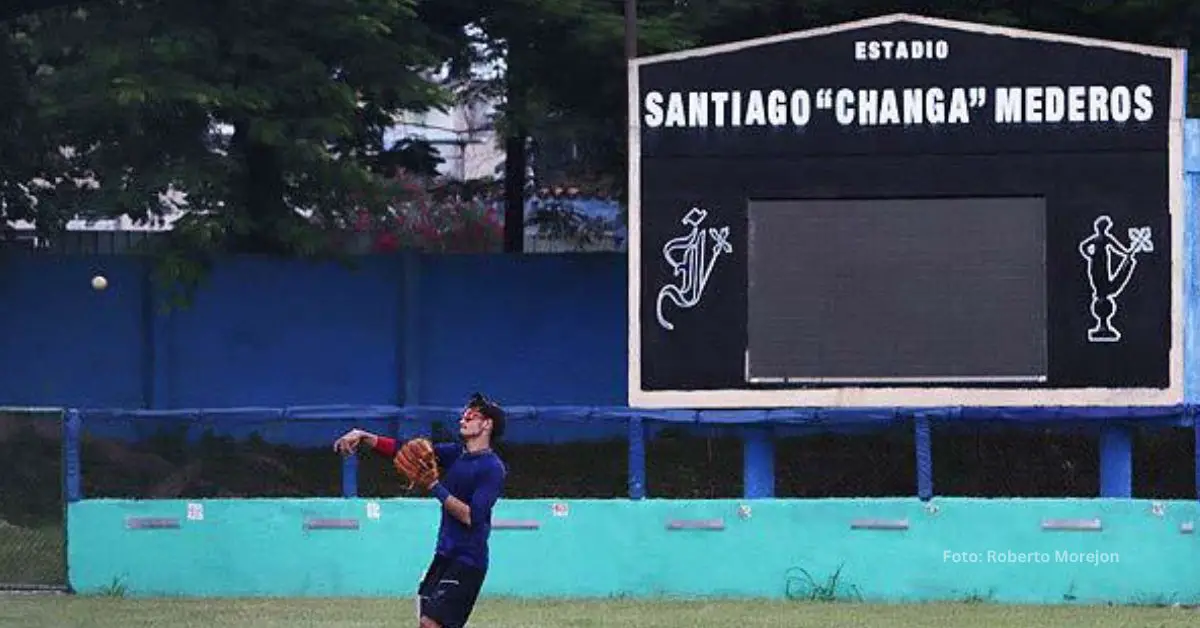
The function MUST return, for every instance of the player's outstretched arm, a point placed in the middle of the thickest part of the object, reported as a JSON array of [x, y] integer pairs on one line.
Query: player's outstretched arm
[[349, 442]]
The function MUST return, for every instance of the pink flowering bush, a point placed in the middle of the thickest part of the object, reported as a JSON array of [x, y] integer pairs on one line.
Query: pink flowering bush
[[433, 216], [445, 216]]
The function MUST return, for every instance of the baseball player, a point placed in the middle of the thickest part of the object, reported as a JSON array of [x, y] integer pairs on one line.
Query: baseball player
[[472, 483]]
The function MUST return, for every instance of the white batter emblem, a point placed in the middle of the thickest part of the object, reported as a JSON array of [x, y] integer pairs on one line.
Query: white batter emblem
[[1110, 265], [691, 257]]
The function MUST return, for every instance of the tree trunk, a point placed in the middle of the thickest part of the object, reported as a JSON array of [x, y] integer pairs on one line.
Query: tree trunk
[[515, 161], [514, 193], [266, 212]]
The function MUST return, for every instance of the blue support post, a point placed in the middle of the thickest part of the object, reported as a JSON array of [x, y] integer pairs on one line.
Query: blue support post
[[1196, 430], [924, 447], [1116, 462], [350, 476], [72, 434], [1191, 296], [758, 462], [637, 458]]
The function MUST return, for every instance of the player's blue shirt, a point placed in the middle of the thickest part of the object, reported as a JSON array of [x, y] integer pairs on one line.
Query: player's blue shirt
[[477, 479]]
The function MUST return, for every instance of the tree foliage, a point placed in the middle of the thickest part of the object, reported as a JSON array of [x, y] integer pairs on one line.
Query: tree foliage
[[566, 68], [264, 119]]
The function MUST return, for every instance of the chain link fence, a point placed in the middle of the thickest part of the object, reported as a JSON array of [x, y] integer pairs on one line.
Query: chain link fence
[[982, 460], [230, 454], [261, 453], [32, 510], [212, 455]]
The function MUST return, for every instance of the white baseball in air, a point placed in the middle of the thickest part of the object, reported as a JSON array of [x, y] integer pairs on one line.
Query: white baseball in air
[[99, 282]]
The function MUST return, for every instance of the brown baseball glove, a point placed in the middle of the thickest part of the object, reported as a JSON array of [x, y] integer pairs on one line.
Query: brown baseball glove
[[417, 461]]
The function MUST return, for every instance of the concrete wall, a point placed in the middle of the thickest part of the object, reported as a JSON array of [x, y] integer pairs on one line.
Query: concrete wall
[[952, 549]]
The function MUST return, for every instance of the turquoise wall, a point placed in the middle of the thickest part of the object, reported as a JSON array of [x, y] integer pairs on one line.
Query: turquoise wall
[[1144, 552]]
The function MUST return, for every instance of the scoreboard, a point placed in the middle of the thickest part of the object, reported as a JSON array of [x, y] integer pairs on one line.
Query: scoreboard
[[906, 211]]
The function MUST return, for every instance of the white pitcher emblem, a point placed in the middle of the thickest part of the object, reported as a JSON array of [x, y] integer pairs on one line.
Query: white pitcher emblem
[[691, 261], [1110, 265]]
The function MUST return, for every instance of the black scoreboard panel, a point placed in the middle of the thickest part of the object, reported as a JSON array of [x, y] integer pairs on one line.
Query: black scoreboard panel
[[896, 290], [989, 217]]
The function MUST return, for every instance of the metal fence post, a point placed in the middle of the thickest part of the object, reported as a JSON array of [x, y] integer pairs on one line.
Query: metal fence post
[[72, 433], [350, 476], [637, 458], [924, 445]]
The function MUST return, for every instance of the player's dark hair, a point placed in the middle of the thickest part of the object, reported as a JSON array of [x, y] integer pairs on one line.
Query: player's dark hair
[[491, 410]]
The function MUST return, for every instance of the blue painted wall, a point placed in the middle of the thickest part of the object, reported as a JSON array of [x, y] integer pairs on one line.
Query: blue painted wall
[[64, 343], [531, 330]]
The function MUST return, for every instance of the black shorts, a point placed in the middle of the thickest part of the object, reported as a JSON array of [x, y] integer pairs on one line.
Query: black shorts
[[448, 592]]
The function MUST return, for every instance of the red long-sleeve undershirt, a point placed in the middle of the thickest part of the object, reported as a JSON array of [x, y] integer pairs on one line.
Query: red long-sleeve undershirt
[[385, 446]]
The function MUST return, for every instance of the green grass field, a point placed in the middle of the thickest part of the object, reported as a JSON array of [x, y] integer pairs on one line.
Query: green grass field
[[28, 611]]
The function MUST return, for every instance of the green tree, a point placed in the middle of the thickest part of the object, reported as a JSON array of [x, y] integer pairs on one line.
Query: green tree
[[264, 119], [564, 62]]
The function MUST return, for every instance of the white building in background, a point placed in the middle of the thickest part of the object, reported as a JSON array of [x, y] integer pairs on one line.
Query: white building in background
[[464, 134], [464, 137]]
